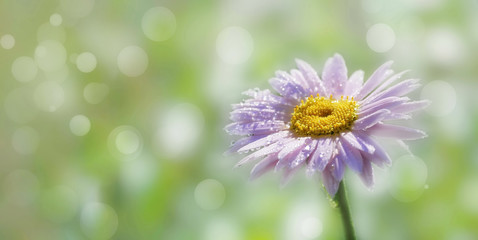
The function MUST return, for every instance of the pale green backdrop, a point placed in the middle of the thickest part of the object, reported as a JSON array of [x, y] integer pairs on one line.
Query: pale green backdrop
[[112, 116]]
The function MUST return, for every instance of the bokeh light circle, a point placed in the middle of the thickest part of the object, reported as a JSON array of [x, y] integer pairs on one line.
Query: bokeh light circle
[[380, 38], [179, 131], [125, 142], [86, 62], [98, 220], [50, 55], [408, 178], [24, 69], [80, 125], [311, 228], [445, 47], [222, 228], [25, 140], [210, 194], [138, 176], [442, 96], [158, 24], [7, 41], [132, 61], [49, 96], [234, 45], [56, 19]]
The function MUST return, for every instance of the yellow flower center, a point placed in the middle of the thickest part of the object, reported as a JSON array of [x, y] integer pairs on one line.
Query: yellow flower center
[[318, 116]]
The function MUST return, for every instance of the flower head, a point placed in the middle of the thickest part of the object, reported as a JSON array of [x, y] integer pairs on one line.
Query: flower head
[[324, 123]]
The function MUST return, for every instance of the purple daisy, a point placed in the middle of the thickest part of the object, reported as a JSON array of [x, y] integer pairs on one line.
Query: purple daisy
[[324, 124]]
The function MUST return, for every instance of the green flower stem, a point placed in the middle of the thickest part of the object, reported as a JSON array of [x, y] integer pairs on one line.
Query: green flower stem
[[341, 200]]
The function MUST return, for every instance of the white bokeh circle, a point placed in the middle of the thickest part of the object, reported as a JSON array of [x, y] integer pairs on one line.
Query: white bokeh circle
[[158, 24], [179, 131], [445, 47], [138, 176], [80, 125], [442, 96], [210, 194], [7, 41], [49, 96], [132, 61], [98, 220], [380, 37], [222, 228], [234, 45], [56, 19], [125, 142], [311, 228], [24, 69], [408, 178], [86, 62], [50, 55]]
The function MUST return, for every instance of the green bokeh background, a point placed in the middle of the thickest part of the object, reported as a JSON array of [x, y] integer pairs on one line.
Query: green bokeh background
[[150, 164]]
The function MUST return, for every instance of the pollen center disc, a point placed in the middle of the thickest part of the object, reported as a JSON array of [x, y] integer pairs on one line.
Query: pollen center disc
[[318, 116]]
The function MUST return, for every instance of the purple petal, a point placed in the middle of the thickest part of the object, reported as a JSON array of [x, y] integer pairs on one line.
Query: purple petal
[[290, 152], [337, 167], [304, 153], [387, 83], [397, 90], [284, 84], [256, 115], [258, 105], [264, 141], [321, 156], [350, 156], [311, 77], [335, 75], [243, 142], [263, 95], [287, 175], [255, 127], [367, 174], [353, 86], [330, 182], [377, 77], [271, 149], [412, 106], [379, 156], [394, 131], [353, 139], [396, 116], [365, 122], [386, 103], [299, 79], [264, 166]]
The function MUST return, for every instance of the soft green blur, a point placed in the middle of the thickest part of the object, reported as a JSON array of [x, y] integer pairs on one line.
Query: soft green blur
[[112, 115]]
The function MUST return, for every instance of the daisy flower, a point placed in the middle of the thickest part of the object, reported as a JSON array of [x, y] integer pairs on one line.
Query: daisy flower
[[323, 124]]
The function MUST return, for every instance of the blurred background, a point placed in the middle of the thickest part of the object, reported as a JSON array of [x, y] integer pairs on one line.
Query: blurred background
[[112, 116]]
